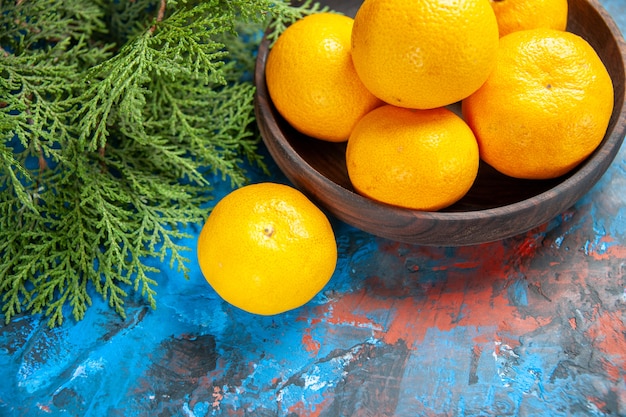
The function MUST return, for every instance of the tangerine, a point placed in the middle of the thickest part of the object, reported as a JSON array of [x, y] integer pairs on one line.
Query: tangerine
[[418, 159], [266, 248], [514, 15], [312, 81], [424, 53], [545, 107]]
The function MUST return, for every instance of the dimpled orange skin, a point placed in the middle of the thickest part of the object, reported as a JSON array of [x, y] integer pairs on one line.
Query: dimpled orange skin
[[545, 107], [514, 15], [312, 81], [418, 159], [267, 249], [424, 53]]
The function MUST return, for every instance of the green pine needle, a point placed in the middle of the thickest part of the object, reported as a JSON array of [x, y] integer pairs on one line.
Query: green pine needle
[[115, 116]]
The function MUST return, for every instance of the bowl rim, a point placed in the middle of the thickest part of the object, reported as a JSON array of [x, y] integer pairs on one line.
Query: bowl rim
[[591, 168]]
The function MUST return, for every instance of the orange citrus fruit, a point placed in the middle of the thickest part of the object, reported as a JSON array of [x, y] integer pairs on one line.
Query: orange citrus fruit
[[418, 159], [312, 81], [424, 53], [545, 107], [514, 15], [266, 248]]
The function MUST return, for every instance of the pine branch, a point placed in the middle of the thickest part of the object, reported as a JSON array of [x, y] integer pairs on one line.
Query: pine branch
[[283, 14], [115, 120], [121, 88]]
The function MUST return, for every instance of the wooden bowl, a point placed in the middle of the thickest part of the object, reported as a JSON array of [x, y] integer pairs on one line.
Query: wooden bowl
[[495, 208]]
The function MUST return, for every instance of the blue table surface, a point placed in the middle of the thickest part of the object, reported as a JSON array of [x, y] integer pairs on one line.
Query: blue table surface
[[531, 325]]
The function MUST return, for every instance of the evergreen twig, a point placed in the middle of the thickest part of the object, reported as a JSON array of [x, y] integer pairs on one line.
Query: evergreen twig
[[115, 118]]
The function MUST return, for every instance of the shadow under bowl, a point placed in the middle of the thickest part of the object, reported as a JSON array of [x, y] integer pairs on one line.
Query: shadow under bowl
[[496, 207]]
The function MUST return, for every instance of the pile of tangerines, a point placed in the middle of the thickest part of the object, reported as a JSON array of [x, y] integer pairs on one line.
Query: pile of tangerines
[[535, 102]]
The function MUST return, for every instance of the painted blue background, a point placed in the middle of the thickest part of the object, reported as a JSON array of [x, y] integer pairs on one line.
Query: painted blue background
[[532, 325]]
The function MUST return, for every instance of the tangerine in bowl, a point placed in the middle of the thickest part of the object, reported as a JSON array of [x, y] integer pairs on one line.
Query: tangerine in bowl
[[497, 206]]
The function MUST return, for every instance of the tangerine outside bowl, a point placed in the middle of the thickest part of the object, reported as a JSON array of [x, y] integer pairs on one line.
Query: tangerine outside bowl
[[496, 207]]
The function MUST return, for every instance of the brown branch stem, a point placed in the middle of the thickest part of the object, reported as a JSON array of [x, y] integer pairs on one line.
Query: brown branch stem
[[160, 14], [102, 154]]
